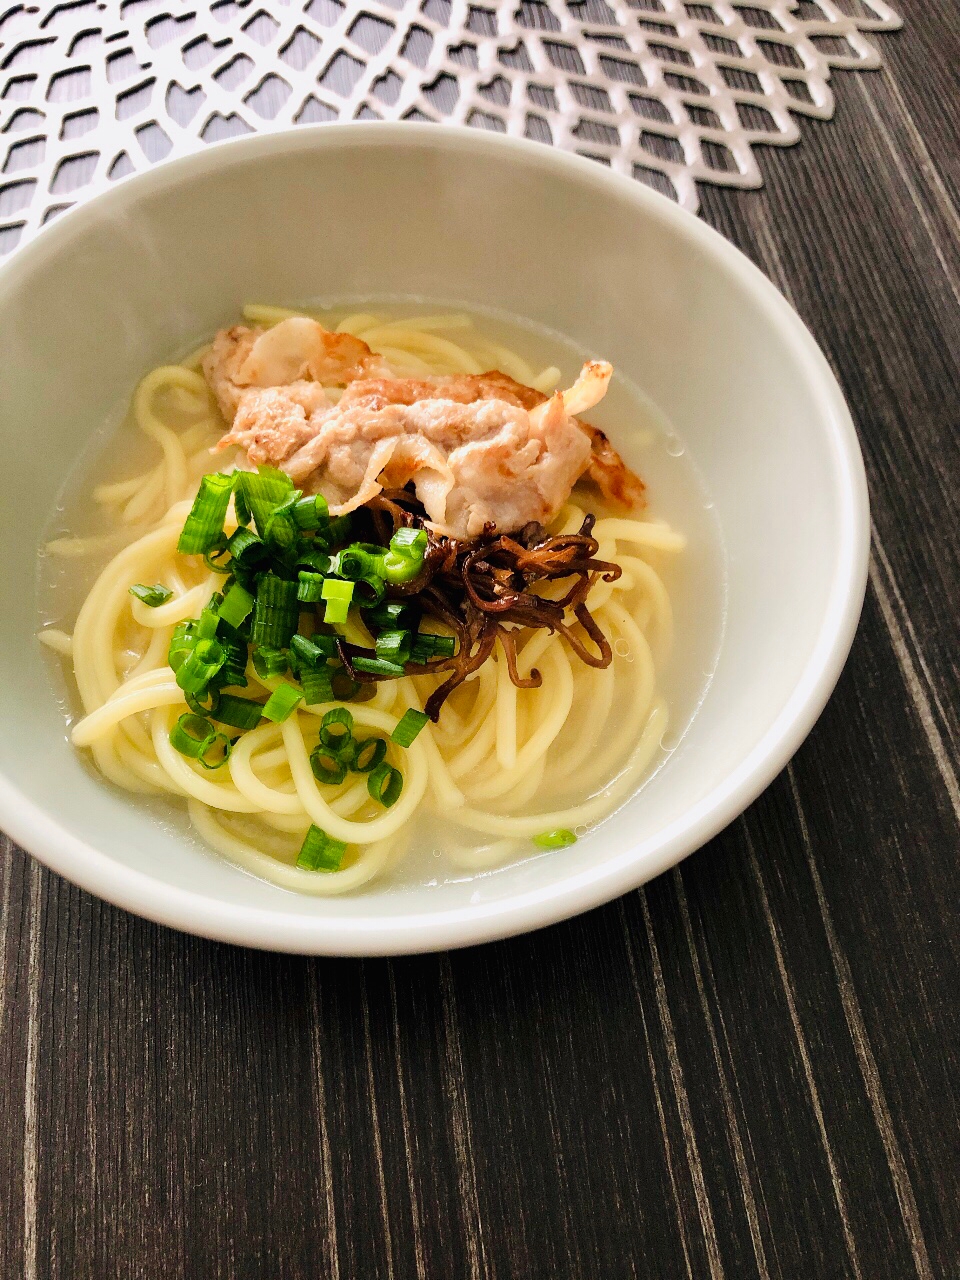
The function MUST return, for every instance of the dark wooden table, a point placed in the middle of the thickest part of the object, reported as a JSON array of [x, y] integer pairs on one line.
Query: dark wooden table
[[748, 1068]]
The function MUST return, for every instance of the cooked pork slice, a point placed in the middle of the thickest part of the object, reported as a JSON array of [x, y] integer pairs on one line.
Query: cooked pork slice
[[295, 350], [273, 422], [605, 467]]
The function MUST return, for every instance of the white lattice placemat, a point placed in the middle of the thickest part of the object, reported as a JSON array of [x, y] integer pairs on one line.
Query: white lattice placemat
[[669, 92]]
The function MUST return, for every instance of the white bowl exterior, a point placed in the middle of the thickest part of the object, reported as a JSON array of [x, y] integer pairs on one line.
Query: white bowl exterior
[[342, 211]]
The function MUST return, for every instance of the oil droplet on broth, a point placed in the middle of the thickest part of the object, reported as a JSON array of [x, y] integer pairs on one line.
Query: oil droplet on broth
[[673, 445]]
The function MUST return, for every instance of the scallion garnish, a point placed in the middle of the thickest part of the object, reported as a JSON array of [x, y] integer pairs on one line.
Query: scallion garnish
[[195, 737], [311, 513], [410, 724], [395, 646], [392, 615], [276, 612], [338, 595], [310, 587], [202, 664], [264, 491], [336, 727], [280, 703], [269, 662], [315, 650], [151, 596], [204, 524], [209, 620], [320, 852], [317, 685], [241, 713], [427, 646], [368, 754], [385, 784], [558, 839], [237, 604], [377, 666], [182, 644], [327, 766]]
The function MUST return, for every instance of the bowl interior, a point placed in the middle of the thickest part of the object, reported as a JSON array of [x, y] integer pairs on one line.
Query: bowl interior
[[346, 212]]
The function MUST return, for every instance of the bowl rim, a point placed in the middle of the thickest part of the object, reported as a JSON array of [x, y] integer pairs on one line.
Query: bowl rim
[[54, 845]]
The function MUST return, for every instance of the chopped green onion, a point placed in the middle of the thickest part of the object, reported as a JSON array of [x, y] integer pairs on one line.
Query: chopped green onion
[[336, 727], [400, 568], [220, 742], [182, 643], [357, 562], [369, 591], [314, 560], [152, 596], [311, 513], [378, 667], [309, 586], [268, 661], [203, 663], [204, 524], [212, 557], [337, 595], [195, 737], [281, 530], [319, 852], [237, 604], [558, 839], [208, 621], [246, 548], [280, 703], [327, 766], [385, 784], [191, 734], [315, 650], [427, 646], [411, 722], [364, 763], [201, 707], [275, 614], [392, 615], [264, 492], [241, 713], [317, 685], [395, 646], [409, 542], [240, 505]]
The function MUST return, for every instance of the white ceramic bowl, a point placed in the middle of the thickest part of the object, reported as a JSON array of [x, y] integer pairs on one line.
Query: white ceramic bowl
[[339, 211]]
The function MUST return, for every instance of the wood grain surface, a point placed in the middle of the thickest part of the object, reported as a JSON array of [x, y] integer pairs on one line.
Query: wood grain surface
[[748, 1069]]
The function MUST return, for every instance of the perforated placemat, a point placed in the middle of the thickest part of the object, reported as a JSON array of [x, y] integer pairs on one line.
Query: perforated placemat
[[668, 92]]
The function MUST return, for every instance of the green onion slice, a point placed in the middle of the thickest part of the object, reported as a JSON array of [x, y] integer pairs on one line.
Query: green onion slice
[[311, 513], [411, 722], [336, 727], [276, 612], [320, 852], [268, 661], [237, 605], [203, 663], [204, 525], [368, 754], [395, 646], [409, 542], [313, 651], [327, 766], [153, 596], [309, 586], [280, 703], [241, 713], [264, 492], [558, 839], [385, 784], [378, 667]]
